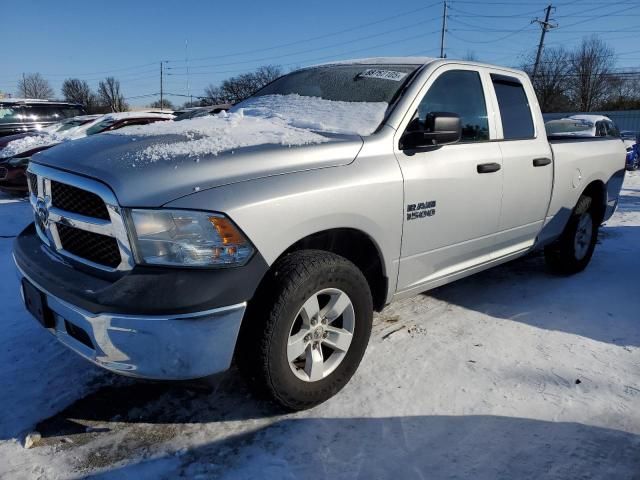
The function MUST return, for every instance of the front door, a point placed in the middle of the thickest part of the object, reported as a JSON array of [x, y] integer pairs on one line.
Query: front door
[[453, 192]]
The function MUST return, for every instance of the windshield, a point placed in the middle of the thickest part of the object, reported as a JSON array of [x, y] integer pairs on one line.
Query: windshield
[[344, 83], [347, 99], [100, 126]]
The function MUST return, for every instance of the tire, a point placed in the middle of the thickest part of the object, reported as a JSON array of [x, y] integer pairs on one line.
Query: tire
[[284, 319], [573, 251]]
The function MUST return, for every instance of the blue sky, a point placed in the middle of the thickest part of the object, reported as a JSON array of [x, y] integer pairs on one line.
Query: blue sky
[[128, 39]]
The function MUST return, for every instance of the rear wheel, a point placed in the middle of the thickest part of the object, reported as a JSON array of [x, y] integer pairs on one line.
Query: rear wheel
[[573, 251], [307, 330]]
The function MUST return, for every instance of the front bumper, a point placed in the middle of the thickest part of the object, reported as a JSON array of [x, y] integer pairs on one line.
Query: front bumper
[[172, 347]]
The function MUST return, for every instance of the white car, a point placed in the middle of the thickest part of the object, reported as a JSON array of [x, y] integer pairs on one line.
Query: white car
[[583, 126], [78, 127]]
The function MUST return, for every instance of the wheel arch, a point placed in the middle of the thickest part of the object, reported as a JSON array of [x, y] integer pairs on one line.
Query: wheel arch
[[597, 191], [356, 246]]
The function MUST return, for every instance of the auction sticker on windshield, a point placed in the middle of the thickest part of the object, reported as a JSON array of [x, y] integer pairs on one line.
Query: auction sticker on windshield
[[383, 74]]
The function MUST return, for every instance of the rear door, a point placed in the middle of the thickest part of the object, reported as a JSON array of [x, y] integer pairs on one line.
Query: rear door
[[527, 163]]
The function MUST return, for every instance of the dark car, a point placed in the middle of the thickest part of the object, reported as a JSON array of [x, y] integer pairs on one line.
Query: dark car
[[17, 116], [196, 112], [13, 170]]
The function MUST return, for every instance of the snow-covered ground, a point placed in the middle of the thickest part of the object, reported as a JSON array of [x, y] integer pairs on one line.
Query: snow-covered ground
[[511, 374]]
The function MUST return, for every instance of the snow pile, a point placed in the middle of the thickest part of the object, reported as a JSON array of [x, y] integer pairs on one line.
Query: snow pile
[[28, 143], [271, 119]]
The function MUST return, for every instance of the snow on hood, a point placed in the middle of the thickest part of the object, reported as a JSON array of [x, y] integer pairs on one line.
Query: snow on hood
[[289, 120]]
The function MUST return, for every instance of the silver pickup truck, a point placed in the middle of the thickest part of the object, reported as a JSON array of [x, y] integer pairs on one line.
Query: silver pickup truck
[[270, 235]]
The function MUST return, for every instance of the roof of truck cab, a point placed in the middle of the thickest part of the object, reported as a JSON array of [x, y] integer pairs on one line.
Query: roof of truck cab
[[418, 61], [382, 61]]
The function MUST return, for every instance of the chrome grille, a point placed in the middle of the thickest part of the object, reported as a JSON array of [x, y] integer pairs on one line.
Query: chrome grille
[[33, 183], [79, 218], [92, 246], [76, 200]]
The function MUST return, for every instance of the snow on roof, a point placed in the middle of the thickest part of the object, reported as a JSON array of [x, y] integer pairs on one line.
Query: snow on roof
[[269, 119], [593, 118], [34, 100], [121, 115]]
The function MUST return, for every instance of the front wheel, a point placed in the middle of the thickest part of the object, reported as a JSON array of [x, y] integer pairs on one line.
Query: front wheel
[[573, 251], [306, 332]]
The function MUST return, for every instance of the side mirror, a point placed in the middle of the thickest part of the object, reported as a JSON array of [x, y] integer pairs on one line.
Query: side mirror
[[439, 128]]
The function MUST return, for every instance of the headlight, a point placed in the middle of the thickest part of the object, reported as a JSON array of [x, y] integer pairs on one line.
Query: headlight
[[187, 238], [19, 161]]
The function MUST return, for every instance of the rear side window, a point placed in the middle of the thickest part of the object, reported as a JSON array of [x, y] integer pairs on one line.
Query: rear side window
[[612, 130], [517, 122], [459, 92]]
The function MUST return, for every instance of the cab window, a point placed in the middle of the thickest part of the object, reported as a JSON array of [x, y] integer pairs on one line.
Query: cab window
[[459, 92], [517, 122]]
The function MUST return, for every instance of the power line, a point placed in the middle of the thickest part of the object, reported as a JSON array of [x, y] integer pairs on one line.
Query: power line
[[319, 37], [302, 52]]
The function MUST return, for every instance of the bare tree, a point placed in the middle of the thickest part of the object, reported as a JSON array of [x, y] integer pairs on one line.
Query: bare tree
[[78, 91], [591, 68], [110, 96], [164, 104], [236, 89], [552, 78], [624, 93], [33, 85]]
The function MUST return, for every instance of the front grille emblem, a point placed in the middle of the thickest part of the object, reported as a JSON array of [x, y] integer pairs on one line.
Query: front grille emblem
[[43, 212]]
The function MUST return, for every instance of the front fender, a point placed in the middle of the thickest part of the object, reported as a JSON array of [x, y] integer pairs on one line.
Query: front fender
[[276, 212]]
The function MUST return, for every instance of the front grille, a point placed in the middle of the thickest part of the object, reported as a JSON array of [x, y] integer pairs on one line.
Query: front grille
[[94, 247], [3, 173], [76, 200], [33, 182]]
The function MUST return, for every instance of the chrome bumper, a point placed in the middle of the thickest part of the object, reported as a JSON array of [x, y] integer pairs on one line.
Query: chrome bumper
[[175, 347]]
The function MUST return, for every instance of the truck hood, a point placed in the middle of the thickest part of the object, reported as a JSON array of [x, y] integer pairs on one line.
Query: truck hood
[[113, 160]]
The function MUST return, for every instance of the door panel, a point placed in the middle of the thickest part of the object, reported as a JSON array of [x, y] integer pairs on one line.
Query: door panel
[[467, 210]]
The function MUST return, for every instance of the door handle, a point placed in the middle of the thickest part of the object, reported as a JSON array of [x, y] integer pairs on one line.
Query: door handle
[[541, 162], [488, 167]]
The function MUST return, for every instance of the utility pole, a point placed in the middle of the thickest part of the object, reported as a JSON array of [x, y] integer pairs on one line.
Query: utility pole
[[161, 92], [444, 29], [546, 26]]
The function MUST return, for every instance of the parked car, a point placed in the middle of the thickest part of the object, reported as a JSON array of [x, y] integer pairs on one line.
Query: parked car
[[58, 127], [197, 112], [271, 234], [632, 143], [23, 115], [15, 156], [583, 125]]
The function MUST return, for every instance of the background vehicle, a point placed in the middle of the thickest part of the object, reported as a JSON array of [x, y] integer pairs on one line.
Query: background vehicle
[[271, 234], [23, 115], [13, 165], [583, 125], [631, 140], [197, 112]]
